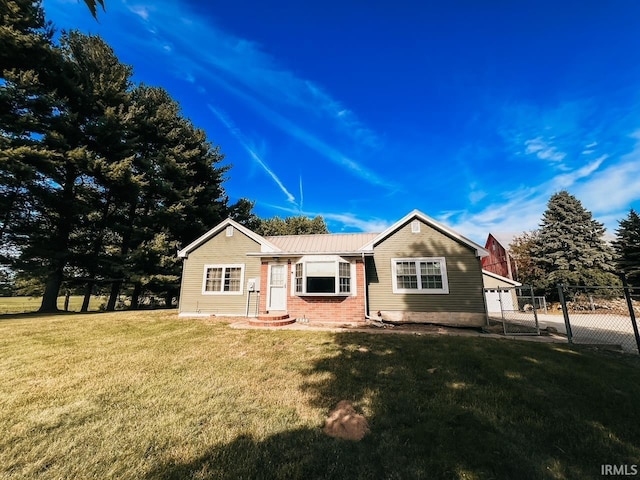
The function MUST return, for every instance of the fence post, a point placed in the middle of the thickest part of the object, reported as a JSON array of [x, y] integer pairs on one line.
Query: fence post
[[632, 314], [535, 313], [565, 312]]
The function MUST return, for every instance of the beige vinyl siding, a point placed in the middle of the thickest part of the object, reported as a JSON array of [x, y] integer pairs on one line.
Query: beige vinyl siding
[[492, 282], [219, 250], [463, 270]]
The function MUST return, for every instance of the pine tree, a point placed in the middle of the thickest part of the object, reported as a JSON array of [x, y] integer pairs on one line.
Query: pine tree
[[627, 247], [26, 103], [242, 212], [38, 165], [299, 225], [93, 6], [101, 100], [99, 180], [67, 234], [178, 197], [570, 247]]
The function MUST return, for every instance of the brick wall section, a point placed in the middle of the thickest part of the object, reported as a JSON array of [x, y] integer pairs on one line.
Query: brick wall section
[[264, 283], [330, 309]]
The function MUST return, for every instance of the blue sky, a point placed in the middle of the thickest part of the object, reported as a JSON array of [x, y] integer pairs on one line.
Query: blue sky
[[473, 112]]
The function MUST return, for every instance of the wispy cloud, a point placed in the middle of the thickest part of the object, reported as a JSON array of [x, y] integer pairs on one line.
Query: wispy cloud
[[615, 187], [141, 11], [568, 179], [345, 117], [577, 145], [369, 225], [543, 149], [248, 146], [476, 194], [309, 139], [603, 191], [245, 70], [301, 203], [520, 212]]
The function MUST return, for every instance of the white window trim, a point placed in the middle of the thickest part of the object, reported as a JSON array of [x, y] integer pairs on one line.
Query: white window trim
[[420, 290], [324, 258], [223, 266]]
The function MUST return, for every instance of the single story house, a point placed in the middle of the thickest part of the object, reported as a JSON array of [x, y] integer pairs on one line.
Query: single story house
[[417, 270]]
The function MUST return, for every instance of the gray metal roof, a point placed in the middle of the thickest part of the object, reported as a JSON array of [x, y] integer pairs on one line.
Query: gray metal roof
[[322, 243]]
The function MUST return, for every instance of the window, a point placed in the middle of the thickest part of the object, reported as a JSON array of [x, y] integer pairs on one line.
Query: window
[[415, 226], [345, 277], [323, 277], [419, 275], [298, 278], [229, 231], [223, 279]]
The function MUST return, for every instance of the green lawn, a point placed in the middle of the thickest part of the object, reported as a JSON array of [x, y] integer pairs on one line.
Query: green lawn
[[147, 395], [32, 304]]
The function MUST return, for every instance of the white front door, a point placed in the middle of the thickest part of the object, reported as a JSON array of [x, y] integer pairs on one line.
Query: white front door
[[277, 287]]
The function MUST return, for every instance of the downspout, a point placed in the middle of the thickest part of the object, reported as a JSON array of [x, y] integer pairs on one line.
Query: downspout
[[484, 295], [366, 293]]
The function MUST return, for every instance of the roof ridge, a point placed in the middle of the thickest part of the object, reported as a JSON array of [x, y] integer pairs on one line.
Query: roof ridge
[[322, 234]]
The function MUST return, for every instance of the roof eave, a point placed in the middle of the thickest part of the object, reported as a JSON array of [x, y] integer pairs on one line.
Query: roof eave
[[480, 251], [281, 254], [500, 277], [265, 245]]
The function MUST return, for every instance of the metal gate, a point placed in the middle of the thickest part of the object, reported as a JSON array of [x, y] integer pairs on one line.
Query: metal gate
[[515, 308], [601, 315]]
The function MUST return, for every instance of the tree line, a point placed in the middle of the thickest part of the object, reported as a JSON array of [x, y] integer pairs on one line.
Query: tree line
[[101, 179], [570, 248]]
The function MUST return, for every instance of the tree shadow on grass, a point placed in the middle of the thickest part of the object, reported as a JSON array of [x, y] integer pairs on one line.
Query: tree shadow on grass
[[445, 408]]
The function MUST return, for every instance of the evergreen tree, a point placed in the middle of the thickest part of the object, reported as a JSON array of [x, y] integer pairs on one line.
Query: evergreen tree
[[242, 212], [99, 180], [40, 165], [570, 247], [627, 247], [27, 59], [93, 6], [92, 84], [101, 100], [178, 197], [299, 225], [25, 36]]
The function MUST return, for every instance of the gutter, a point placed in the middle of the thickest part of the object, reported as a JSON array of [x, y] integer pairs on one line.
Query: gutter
[[366, 295], [302, 254]]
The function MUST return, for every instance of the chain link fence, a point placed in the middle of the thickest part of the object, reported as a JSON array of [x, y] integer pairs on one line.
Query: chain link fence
[[515, 308], [601, 315]]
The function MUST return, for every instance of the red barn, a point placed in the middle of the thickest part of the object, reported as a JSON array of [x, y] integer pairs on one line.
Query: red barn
[[499, 260]]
